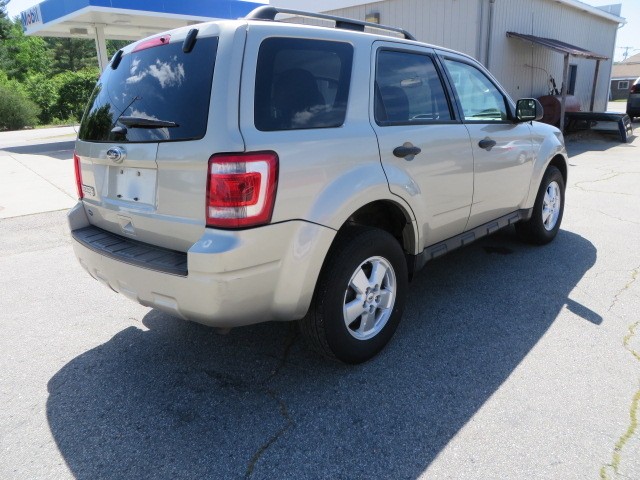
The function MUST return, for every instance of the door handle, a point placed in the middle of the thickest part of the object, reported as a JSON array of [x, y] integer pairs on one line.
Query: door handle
[[407, 151], [487, 144]]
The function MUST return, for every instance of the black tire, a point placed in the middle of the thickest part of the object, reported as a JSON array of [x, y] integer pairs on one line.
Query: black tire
[[534, 230], [355, 251]]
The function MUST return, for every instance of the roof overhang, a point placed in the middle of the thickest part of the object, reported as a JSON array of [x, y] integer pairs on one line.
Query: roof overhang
[[598, 12], [327, 5], [558, 46], [125, 19]]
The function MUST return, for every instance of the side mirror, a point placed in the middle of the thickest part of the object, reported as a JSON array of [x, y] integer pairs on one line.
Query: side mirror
[[528, 110]]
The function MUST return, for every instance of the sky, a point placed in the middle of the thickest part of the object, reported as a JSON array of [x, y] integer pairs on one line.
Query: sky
[[628, 34], [626, 37]]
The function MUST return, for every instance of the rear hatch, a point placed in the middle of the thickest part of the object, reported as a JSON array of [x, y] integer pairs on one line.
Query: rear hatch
[[143, 144]]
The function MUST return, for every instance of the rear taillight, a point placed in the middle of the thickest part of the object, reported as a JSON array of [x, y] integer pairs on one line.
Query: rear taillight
[[241, 189], [76, 166], [635, 88]]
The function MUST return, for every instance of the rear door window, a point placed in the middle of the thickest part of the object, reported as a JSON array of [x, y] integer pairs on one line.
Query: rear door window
[[408, 90], [154, 95], [302, 84]]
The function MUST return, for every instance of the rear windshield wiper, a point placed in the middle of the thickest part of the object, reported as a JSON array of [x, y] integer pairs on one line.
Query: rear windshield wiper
[[141, 122]]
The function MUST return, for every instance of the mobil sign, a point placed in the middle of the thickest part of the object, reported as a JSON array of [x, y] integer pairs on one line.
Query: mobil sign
[[31, 17]]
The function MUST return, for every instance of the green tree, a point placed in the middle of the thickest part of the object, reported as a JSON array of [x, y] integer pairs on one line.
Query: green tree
[[5, 23], [74, 90], [114, 45], [43, 90], [21, 55], [71, 54]]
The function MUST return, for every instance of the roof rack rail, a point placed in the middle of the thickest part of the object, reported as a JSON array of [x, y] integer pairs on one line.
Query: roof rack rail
[[268, 12]]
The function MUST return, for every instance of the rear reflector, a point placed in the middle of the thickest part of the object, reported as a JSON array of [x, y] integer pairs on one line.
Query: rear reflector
[[153, 42], [241, 189], [76, 166]]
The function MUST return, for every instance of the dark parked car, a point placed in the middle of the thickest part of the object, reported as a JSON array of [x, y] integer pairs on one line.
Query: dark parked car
[[633, 103]]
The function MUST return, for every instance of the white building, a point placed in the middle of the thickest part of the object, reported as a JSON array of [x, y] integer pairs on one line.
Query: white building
[[479, 28], [476, 27]]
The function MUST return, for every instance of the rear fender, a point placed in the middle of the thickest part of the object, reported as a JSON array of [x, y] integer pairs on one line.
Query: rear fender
[[356, 188]]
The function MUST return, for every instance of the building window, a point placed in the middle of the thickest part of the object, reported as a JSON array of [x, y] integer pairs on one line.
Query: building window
[[372, 17], [573, 74], [623, 85]]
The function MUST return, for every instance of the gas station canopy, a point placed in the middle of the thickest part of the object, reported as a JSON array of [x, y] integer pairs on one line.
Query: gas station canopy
[[124, 19]]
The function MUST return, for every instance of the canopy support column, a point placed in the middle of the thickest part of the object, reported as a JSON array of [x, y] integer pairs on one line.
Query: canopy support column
[[101, 46], [595, 83], [565, 81]]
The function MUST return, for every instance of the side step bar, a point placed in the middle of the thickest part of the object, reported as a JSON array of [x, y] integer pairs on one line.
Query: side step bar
[[439, 249]]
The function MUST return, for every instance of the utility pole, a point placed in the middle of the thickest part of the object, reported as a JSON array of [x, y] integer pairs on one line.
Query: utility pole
[[626, 51]]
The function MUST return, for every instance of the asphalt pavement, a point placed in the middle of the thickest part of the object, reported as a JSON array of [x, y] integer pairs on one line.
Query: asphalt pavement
[[511, 362]]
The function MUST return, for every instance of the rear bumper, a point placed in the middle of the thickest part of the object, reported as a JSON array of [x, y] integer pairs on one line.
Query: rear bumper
[[232, 278]]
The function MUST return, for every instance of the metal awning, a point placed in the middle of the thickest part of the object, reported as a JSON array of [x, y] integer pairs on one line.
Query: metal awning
[[558, 46], [567, 50]]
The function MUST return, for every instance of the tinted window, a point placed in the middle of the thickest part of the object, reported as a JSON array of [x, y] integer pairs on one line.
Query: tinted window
[[408, 90], [302, 84], [159, 83], [481, 101]]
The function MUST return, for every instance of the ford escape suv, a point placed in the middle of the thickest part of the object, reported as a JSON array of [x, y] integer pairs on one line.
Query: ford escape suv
[[243, 171]]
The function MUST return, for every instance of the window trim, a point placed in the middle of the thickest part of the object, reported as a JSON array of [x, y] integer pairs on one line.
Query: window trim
[[620, 82], [507, 103], [455, 119]]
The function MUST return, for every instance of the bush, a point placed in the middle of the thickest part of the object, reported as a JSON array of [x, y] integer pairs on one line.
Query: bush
[[43, 90], [16, 111], [74, 90]]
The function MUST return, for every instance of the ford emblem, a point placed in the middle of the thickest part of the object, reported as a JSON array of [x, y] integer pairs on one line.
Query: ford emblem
[[116, 154]]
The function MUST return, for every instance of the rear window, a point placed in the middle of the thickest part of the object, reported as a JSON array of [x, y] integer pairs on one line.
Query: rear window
[[159, 84], [302, 84]]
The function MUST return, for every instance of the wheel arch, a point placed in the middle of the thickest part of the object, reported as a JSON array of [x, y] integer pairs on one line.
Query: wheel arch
[[389, 216], [559, 160], [561, 164]]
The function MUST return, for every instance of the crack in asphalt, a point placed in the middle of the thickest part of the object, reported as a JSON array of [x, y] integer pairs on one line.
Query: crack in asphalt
[[612, 175], [634, 411], [284, 411], [230, 381], [609, 170], [618, 218], [579, 186], [634, 277]]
